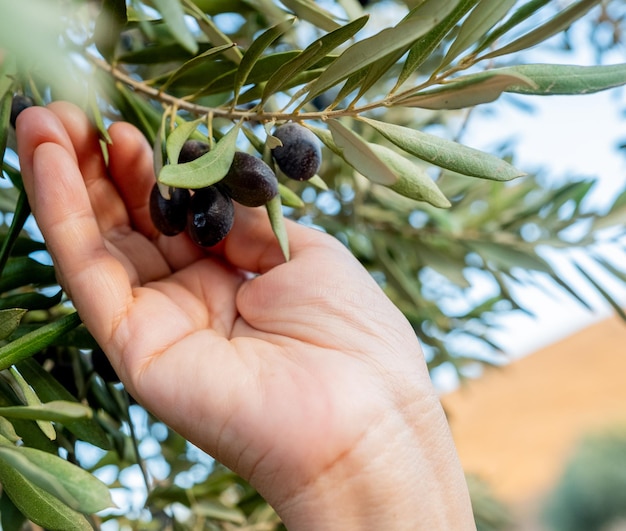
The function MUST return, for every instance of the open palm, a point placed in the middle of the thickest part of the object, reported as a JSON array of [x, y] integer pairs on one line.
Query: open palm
[[280, 370]]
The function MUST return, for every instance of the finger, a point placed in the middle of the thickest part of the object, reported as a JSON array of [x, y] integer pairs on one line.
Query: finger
[[108, 207], [38, 125], [98, 283]]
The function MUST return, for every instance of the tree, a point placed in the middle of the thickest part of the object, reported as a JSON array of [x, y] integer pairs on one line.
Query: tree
[[420, 210]]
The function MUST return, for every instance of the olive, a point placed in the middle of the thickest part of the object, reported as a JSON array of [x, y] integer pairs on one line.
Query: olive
[[19, 103], [210, 216], [300, 155], [250, 181], [192, 150], [169, 215]]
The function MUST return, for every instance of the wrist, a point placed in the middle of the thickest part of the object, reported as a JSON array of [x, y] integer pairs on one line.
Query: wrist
[[404, 482]]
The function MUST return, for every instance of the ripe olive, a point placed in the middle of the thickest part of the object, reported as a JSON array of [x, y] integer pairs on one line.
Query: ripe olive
[[210, 216], [169, 215], [192, 150], [300, 156], [250, 181], [19, 103]]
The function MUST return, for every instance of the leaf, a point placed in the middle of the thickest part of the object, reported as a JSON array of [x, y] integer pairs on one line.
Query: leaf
[[411, 181], [277, 220], [108, 27], [359, 154], [289, 198], [75, 487], [177, 138], [557, 24], [551, 79], [174, 16], [309, 11], [605, 294], [55, 411], [446, 153], [389, 40], [20, 215], [313, 53], [7, 430], [32, 399], [205, 170], [9, 321], [522, 13], [49, 390], [214, 34], [5, 116], [38, 505], [466, 91], [423, 48], [482, 18], [10, 516], [193, 63], [255, 50], [33, 342]]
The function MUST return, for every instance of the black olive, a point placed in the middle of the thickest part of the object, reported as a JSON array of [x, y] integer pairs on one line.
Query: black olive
[[169, 215], [300, 156], [192, 150], [250, 181], [210, 216], [19, 103]]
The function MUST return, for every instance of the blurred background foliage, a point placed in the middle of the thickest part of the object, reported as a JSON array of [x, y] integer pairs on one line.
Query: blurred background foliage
[[389, 87]]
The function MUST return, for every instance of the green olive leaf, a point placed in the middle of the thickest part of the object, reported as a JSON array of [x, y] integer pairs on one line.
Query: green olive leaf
[[446, 153], [552, 79], [7, 431], [412, 182], [562, 20], [359, 154], [275, 212], [309, 11], [174, 16], [55, 411], [37, 504], [466, 91], [289, 198], [206, 170], [10, 320], [75, 487], [32, 400], [177, 138]]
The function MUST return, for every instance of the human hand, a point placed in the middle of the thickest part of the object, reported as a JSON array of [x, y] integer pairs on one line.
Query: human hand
[[301, 376]]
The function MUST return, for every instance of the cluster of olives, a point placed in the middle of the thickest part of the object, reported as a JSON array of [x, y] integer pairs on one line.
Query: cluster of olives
[[207, 214]]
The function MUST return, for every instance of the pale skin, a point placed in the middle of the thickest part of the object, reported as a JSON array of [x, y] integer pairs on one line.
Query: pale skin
[[301, 376]]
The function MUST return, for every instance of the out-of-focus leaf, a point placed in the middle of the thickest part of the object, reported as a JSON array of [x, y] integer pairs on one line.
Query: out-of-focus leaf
[[49, 390], [5, 116], [38, 505], [31, 343], [215, 510], [602, 291], [10, 320], [277, 220], [423, 48], [522, 13], [446, 153], [558, 23], [360, 155], [313, 53], [174, 16], [56, 411], [411, 181], [109, 25], [389, 40], [549, 79], [482, 18], [255, 50], [309, 11], [205, 170], [466, 91], [214, 33], [75, 487], [21, 213]]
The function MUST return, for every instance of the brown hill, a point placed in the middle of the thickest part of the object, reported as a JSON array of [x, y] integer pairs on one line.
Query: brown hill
[[516, 425]]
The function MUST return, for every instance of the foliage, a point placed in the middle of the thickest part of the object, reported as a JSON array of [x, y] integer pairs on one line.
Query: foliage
[[591, 493], [424, 213], [490, 513]]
